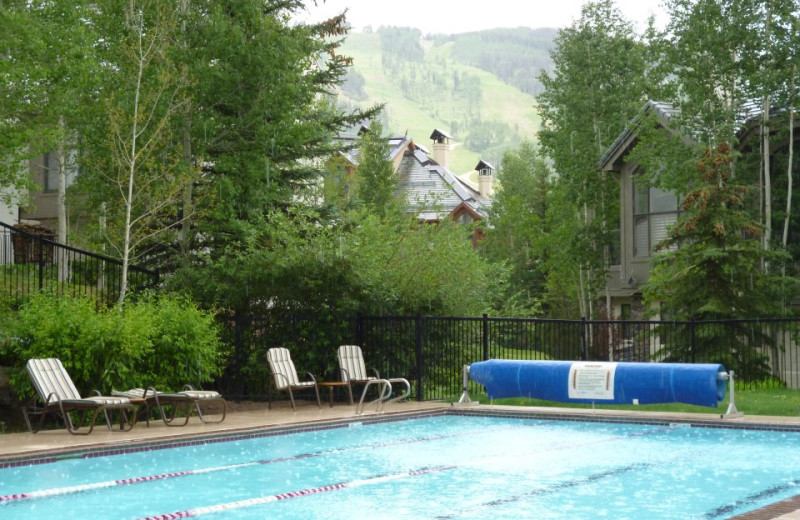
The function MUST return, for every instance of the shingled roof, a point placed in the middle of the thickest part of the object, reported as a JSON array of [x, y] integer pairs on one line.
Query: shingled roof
[[433, 191]]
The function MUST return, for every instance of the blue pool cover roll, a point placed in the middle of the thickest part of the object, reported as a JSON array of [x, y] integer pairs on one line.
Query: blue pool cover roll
[[602, 382]]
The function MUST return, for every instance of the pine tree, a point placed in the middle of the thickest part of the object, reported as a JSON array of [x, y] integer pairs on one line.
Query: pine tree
[[708, 269]]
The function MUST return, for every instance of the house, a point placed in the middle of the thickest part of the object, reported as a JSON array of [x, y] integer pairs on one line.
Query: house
[[647, 212], [432, 192], [645, 215]]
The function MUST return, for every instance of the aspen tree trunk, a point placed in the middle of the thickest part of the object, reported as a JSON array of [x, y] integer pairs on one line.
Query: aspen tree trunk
[[61, 204], [765, 145]]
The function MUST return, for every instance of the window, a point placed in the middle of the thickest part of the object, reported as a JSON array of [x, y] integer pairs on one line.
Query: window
[[50, 173], [654, 211], [464, 218]]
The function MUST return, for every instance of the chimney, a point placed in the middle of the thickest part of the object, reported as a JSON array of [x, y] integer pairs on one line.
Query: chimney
[[441, 147], [485, 178]]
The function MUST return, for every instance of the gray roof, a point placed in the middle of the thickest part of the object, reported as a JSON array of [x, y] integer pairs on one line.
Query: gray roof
[[434, 191], [397, 144], [665, 112]]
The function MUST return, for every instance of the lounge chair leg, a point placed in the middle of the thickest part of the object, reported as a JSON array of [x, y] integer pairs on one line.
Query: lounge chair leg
[[202, 417]]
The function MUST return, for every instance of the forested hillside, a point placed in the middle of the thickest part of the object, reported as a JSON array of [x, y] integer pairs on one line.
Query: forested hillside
[[477, 86]]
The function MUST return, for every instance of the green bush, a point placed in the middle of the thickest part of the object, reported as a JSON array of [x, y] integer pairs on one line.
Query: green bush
[[163, 341]]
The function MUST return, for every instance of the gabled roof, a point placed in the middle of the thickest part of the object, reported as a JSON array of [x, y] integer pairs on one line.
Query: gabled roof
[[439, 134], [397, 144], [664, 112], [434, 191], [483, 165]]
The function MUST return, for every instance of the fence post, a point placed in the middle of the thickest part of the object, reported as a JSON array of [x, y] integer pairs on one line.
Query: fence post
[[418, 349], [360, 330], [237, 355], [583, 338], [692, 350], [485, 338], [41, 261]]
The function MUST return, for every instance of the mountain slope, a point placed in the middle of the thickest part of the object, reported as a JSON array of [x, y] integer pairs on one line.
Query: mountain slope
[[426, 84]]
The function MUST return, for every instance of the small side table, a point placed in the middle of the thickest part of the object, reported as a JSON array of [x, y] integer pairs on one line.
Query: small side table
[[331, 385]]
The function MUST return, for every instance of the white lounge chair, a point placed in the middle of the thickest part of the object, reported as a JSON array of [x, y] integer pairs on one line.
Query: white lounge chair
[[285, 375], [58, 394], [169, 404], [354, 371]]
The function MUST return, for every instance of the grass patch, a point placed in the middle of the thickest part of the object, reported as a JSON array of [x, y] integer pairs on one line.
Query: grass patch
[[762, 401]]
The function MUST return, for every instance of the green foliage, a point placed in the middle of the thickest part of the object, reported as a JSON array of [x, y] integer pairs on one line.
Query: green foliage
[[299, 264], [163, 341], [710, 268], [520, 232], [596, 87], [376, 182], [405, 268], [259, 126], [48, 76]]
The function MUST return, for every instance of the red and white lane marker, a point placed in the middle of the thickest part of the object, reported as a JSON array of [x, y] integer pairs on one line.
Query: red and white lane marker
[[46, 493], [293, 494]]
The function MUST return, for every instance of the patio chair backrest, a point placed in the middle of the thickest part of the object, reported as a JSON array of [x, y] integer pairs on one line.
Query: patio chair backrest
[[351, 361], [280, 362], [50, 378]]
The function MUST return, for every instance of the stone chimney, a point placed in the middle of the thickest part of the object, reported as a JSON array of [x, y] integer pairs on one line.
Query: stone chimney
[[485, 178], [441, 147]]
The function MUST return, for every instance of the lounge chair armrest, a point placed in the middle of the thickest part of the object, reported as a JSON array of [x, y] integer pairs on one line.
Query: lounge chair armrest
[[375, 371], [52, 398], [311, 376], [187, 387], [344, 375], [285, 379]]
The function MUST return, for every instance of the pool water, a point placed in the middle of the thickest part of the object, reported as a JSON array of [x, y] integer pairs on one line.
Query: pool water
[[441, 467]]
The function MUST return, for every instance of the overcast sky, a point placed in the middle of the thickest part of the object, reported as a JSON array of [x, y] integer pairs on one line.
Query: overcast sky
[[458, 16]]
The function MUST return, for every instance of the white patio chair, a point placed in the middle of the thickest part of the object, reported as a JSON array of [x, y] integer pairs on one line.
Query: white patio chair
[[285, 375]]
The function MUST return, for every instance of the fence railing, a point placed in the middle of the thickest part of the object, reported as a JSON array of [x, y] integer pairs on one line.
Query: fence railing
[[32, 262], [430, 351]]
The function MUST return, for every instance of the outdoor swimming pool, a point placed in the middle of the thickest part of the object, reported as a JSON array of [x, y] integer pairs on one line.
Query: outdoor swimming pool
[[439, 467]]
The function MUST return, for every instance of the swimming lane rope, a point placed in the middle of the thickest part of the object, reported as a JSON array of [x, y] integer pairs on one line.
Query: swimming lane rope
[[293, 494], [46, 493]]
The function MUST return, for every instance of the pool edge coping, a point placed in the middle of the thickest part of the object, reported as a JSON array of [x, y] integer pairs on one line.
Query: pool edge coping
[[118, 447]]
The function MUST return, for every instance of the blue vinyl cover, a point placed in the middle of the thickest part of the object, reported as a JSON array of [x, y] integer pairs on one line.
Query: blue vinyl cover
[[648, 383]]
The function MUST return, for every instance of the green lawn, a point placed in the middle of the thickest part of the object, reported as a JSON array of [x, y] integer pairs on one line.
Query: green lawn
[[763, 401]]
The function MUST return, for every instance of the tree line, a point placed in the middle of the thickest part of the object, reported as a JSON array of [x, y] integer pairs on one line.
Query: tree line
[[205, 134], [727, 72]]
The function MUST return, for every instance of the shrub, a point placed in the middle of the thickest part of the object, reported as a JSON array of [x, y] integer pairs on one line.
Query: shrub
[[163, 341]]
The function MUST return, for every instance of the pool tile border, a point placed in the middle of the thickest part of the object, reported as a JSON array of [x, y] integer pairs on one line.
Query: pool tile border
[[156, 445]]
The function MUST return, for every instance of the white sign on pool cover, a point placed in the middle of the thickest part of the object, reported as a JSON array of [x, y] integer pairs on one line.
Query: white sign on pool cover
[[592, 381]]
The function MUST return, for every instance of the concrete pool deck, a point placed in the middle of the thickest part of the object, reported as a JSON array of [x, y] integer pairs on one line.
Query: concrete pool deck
[[244, 417]]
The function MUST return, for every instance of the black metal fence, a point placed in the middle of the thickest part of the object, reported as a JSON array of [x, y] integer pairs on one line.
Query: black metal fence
[[34, 262], [431, 351]]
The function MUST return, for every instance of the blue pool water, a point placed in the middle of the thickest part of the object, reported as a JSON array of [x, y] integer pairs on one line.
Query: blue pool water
[[442, 467]]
